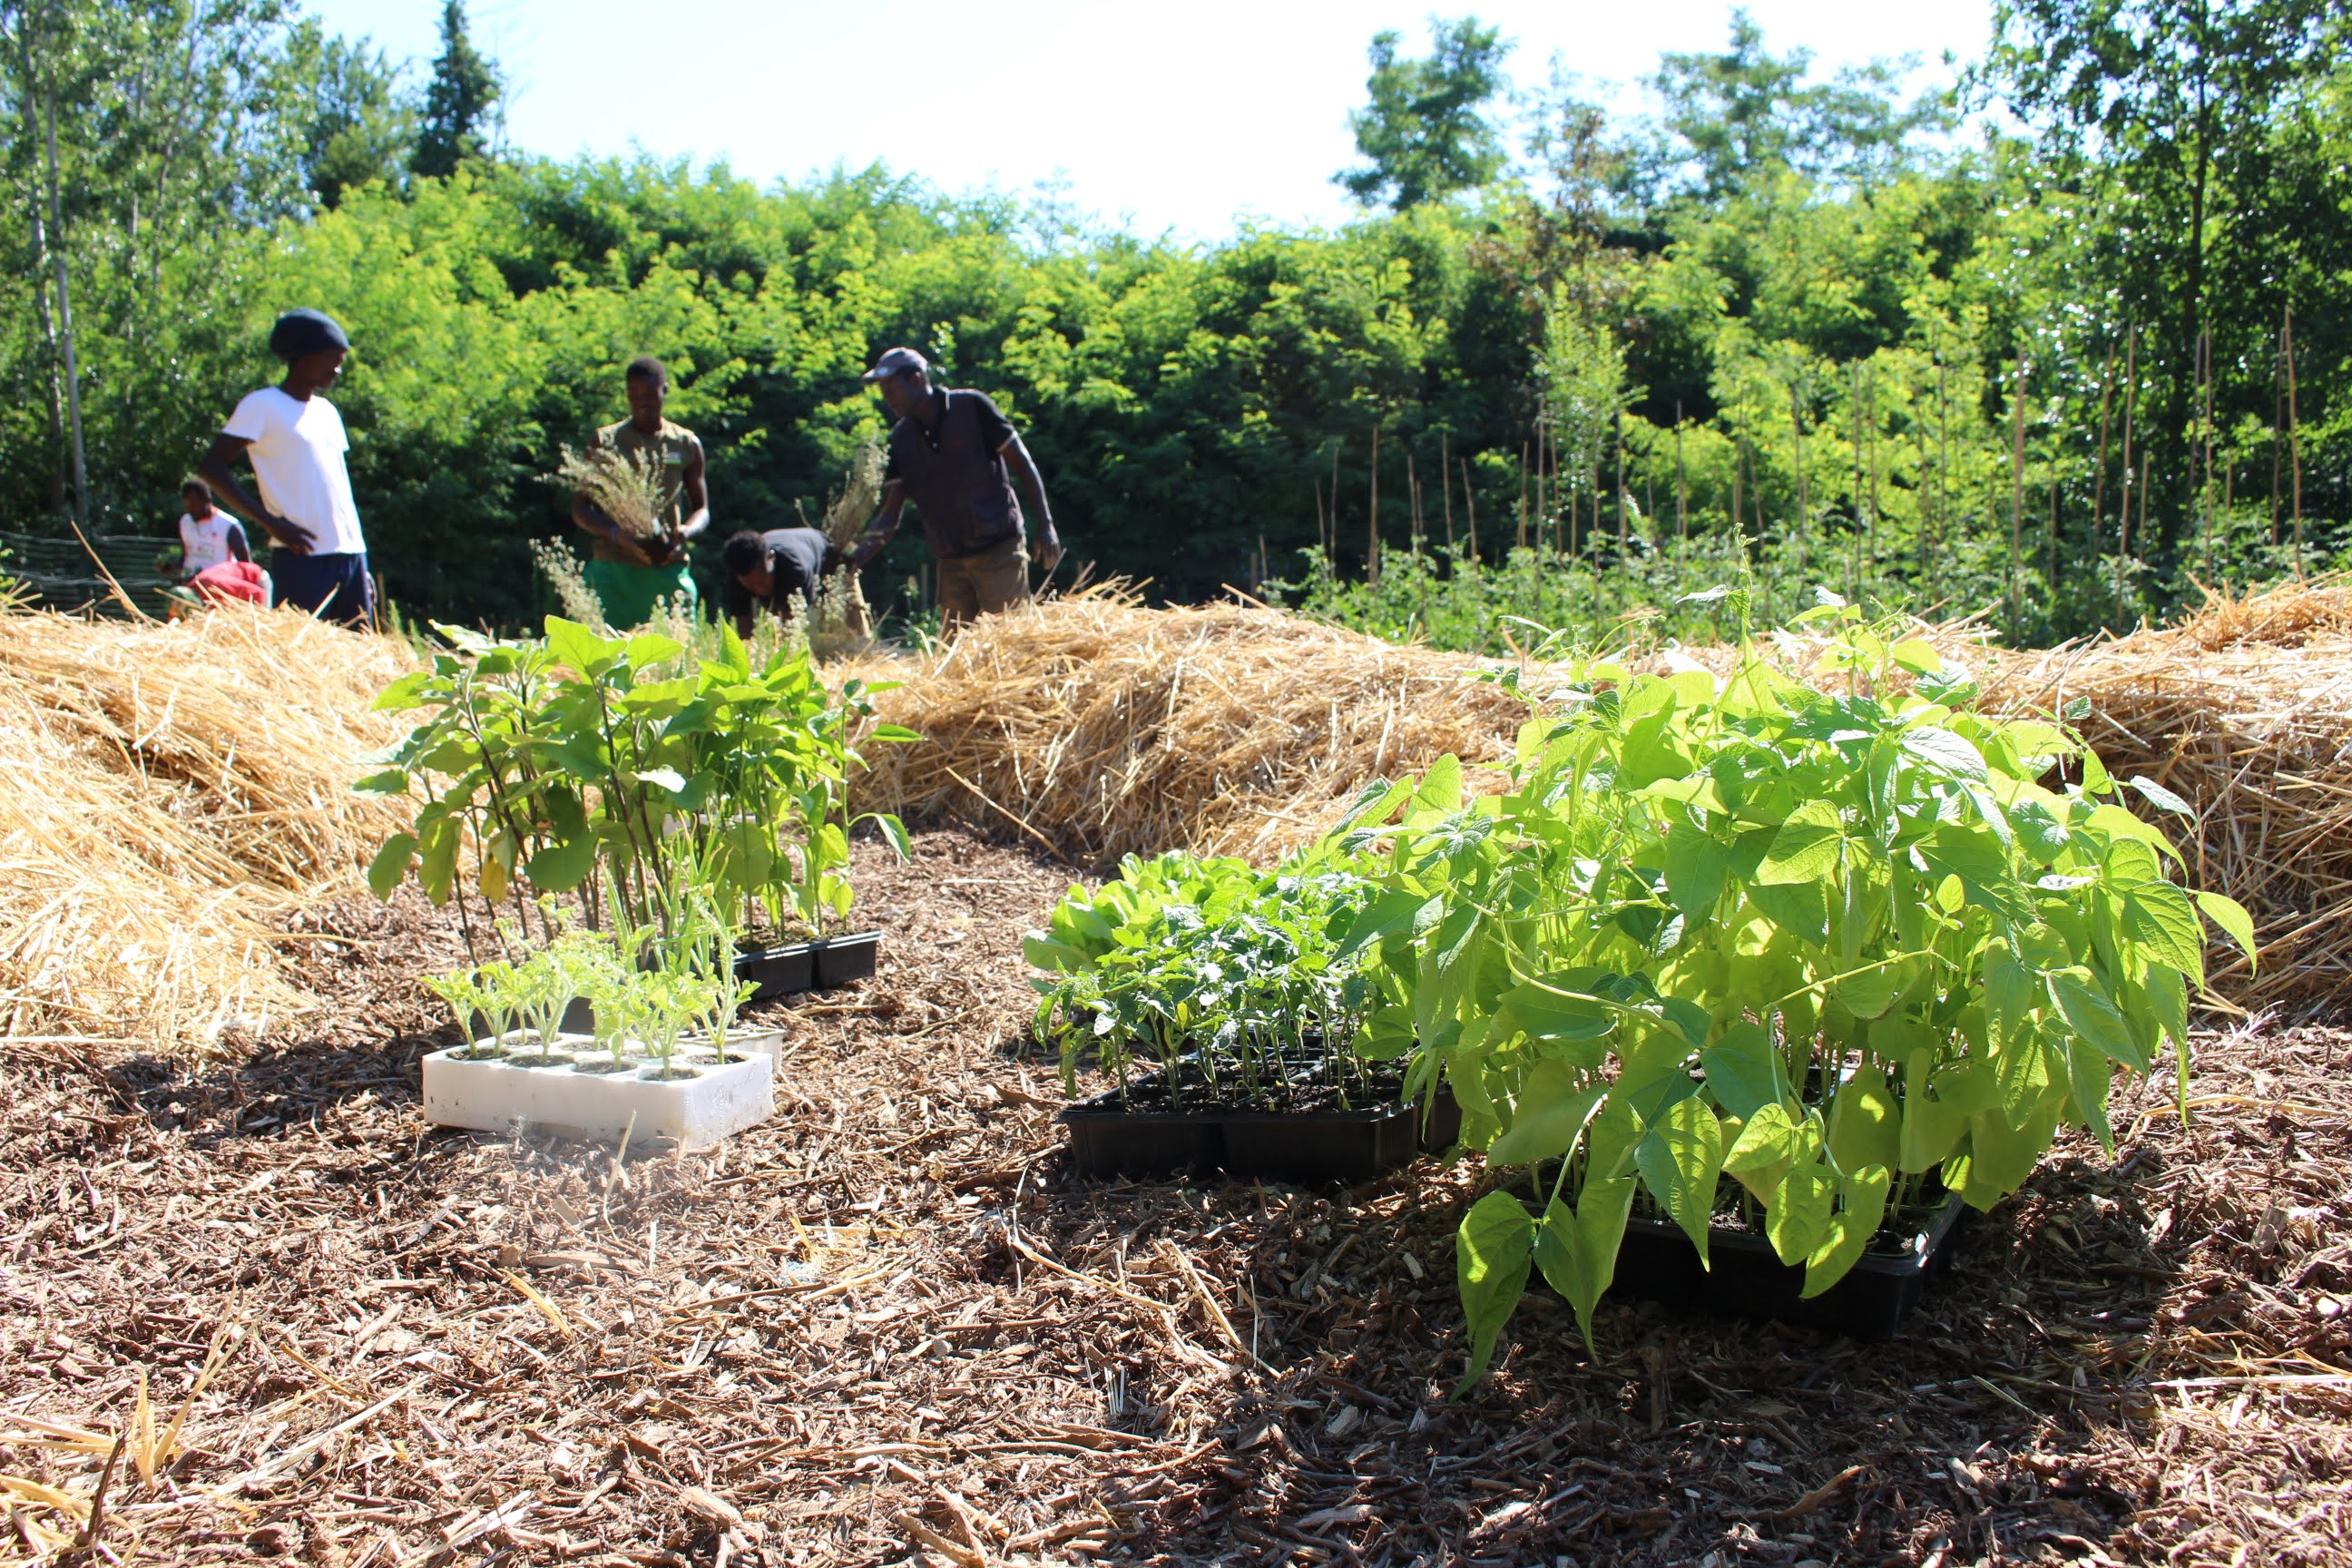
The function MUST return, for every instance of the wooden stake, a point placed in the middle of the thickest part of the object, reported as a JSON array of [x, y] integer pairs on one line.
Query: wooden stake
[[1372, 526], [2278, 427], [1682, 483], [1470, 504], [1523, 495], [2099, 484], [1804, 494], [2017, 475], [2295, 439], [1337, 446], [2205, 376], [1445, 479], [2131, 417], [1854, 556], [1624, 556]]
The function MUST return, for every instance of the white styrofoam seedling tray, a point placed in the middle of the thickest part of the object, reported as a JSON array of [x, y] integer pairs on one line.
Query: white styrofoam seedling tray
[[494, 1096]]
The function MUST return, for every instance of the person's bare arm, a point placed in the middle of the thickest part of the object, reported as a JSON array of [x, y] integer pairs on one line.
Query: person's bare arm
[[239, 550], [229, 491], [885, 523], [1024, 472], [697, 491]]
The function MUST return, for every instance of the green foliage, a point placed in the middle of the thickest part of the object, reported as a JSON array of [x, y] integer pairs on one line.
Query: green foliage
[[1425, 133], [614, 765], [1824, 946], [1783, 306], [460, 110], [1243, 986]]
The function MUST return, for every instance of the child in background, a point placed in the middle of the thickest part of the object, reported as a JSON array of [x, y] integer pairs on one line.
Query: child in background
[[209, 536]]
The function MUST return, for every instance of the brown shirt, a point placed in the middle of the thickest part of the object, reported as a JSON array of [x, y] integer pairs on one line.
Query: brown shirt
[[672, 445]]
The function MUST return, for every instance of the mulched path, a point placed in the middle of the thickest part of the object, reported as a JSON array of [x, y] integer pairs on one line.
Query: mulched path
[[888, 1327]]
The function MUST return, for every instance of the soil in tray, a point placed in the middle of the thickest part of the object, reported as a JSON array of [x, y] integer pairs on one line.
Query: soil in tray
[[1298, 1130], [1746, 1279]]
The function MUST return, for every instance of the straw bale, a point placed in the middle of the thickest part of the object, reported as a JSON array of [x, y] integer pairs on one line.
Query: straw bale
[[2244, 711], [173, 794], [1096, 726]]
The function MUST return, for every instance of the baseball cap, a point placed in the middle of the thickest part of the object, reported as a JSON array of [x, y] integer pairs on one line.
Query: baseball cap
[[895, 361]]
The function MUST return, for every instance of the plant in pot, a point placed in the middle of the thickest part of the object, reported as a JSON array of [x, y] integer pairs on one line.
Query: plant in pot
[[1776, 962], [1234, 985], [583, 764]]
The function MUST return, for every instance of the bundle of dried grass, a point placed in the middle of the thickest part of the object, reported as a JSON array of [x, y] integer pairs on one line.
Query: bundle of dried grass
[[174, 792], [629, 489], [2244, 711], [1097, 726], [854, 503]]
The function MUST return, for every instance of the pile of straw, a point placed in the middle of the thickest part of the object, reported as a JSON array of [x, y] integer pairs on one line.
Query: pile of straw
[[2244, 711], [1095, 726], [172, 794]]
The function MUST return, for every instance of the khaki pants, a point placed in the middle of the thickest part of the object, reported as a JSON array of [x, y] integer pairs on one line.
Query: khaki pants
[[984, 584]]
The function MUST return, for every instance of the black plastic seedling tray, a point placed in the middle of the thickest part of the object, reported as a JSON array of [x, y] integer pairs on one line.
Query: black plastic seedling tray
[[1299, 1147], [818, 965], [1747, 1280]]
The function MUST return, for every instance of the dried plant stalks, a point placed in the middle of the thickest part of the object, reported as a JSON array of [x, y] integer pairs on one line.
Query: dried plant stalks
[[631, 491], [854, 505]]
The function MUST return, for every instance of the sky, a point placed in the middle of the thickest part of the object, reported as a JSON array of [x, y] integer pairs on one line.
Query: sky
[[1186, 121]]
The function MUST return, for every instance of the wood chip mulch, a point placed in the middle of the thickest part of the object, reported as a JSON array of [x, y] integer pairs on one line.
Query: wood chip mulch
[[887, 1326]]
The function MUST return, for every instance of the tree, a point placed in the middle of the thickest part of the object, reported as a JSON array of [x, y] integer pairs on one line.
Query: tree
[[1425, 133], [2165, 111], [461, 101], [362, 127], [1729, 118]]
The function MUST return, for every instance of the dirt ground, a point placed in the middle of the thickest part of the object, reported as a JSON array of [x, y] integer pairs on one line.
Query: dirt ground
[[888, 1327]]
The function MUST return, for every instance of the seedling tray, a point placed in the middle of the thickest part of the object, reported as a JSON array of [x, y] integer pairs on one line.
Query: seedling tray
[[512, 1092], [1299, 1147], [1747, 1280], [818, 965]]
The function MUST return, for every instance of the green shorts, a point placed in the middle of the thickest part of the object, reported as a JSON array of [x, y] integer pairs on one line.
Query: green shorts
[[628, 592]]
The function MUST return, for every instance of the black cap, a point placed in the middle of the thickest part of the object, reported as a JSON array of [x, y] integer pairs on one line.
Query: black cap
[[896, 361], [305, 332]]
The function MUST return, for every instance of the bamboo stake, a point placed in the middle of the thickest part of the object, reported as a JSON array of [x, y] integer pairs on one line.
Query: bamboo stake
[[1373, 525], [1523, 495], [1853, 554], [2017, 502], [1412, 499], [1334, 555], [1445, 478], [1682, 483], [1805, 496], [1943, 461], [2131, 416], [1470, 504], [1870, 439], [1738, 467], [1322, 536], [2205, 376], [2278, 427], [1624, 556], [2050, 571], [2099, 484], [2295, 439]]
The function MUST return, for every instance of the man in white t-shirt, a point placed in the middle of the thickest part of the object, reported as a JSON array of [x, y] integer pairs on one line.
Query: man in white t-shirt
[[295, 442], [209, 536]]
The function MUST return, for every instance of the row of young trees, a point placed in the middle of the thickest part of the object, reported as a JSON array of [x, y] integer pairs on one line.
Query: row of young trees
[[1819, 330]]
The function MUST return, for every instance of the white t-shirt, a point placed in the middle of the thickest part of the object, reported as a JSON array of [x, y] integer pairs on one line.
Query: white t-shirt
[[297, 448], [205, 544]]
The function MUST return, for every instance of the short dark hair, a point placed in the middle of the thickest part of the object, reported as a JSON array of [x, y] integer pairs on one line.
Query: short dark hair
[[197, 488], [746, 551], [649, 368]]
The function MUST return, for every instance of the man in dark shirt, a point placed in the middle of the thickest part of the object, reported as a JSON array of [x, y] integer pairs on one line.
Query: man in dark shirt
[[773, 568], [956, 457]]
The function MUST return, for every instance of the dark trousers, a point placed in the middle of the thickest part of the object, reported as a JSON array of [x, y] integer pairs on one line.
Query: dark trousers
[[332, 587]]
